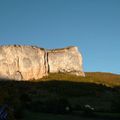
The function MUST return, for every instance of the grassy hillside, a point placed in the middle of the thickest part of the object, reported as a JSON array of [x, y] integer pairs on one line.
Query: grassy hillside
[[107, 79], [53, 93]]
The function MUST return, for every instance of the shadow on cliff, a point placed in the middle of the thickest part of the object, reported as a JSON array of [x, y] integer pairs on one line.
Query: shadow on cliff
[[48, 96]]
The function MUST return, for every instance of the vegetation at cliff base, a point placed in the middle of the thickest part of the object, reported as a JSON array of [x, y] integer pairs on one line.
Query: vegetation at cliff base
[[62, 95], [107, 79]]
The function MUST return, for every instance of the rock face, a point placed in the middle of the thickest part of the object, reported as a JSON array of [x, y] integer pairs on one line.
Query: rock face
[[67, 60], [29, 62]]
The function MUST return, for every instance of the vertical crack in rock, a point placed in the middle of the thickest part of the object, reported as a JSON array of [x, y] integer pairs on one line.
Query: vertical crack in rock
[[48, 62]]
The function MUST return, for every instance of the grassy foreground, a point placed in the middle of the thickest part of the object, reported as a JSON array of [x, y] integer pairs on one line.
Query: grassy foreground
[[48, 116], [51, 95]]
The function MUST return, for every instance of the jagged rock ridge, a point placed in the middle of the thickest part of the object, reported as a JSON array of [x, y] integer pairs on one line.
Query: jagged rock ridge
[[28, 62]]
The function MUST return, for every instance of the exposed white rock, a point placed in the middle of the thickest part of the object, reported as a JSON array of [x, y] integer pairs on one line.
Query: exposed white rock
[[22, 62], [28, 62], [66, 60]]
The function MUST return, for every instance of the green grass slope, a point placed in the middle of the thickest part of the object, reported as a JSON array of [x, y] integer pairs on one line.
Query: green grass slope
[[107, 79]]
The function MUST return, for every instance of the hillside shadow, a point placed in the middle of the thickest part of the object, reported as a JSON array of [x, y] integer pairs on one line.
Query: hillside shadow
[[63, 88], [41, 96]]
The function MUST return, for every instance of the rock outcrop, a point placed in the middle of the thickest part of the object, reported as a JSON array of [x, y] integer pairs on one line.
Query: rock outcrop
[[66, 60], [29, 62]]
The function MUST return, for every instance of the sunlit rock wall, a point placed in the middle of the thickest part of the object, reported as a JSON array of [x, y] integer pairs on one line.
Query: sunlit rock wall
[[66, 60], [22, 62], [29, 62]]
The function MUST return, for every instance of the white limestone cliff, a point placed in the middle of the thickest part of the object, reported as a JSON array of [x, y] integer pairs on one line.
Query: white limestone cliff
[[28, 62], [66, 60]]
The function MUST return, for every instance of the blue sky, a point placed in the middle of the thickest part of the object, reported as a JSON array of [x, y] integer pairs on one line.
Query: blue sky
[[92, 25]]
